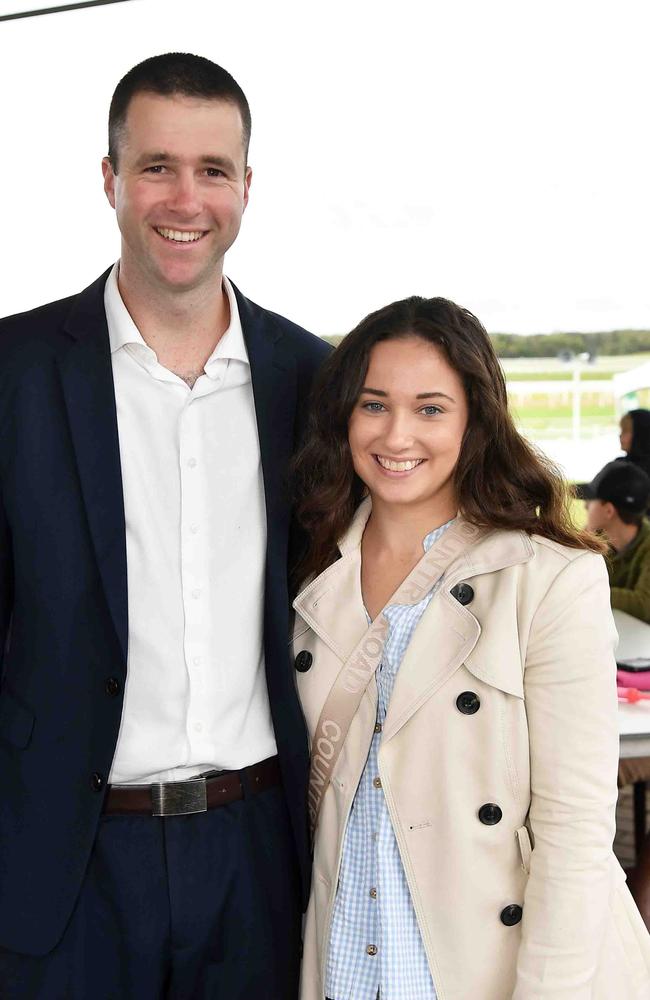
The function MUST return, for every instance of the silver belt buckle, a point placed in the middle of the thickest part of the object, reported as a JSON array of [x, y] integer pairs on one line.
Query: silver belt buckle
[[179, 798]]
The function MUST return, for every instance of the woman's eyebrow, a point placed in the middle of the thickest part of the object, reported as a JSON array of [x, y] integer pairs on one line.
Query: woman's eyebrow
[[374, 392], [437, 395]]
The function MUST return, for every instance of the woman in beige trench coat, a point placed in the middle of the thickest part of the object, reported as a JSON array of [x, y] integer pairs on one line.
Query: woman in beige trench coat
[[495, 754]]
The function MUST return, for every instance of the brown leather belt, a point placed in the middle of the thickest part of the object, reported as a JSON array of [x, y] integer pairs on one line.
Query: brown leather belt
[[196, 795]]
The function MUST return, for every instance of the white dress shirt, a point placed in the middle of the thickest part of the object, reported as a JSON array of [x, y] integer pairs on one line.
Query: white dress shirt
[[195, 695]]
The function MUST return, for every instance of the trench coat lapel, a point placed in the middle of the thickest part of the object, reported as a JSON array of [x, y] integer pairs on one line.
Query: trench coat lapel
[[447, 633], [87, 382], [332, 604]]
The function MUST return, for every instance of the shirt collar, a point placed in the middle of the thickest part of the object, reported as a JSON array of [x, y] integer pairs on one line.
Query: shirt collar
[[122, 330], [434, 535]]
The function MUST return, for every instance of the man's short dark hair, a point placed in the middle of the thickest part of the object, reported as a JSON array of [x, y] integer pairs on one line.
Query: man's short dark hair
[[170, 74], [628, 518]]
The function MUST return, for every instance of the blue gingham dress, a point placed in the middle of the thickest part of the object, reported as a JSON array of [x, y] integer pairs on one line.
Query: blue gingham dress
[[375, 947]]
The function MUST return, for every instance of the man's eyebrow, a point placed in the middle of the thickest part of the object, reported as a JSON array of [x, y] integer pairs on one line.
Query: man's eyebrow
[[208, 160], [161, 157], [219, 161]]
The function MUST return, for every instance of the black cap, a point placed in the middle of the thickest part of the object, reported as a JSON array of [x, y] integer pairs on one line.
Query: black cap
[[621, 483]]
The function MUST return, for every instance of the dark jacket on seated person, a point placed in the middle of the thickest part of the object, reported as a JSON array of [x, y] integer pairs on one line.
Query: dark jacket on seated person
[[629, 575]]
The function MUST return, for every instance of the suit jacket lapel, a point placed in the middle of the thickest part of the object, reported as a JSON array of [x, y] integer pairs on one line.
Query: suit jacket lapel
[[274, 390], [87, 381]]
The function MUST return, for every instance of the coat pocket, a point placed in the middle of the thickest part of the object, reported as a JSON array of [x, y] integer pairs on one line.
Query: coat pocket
[[525, 847], [16, 720]]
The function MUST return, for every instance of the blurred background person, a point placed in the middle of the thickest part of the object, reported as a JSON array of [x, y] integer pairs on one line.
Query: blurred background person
[[635, 438], [617, 499]]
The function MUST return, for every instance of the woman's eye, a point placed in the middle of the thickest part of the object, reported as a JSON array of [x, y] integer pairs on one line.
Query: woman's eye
[[430, 411], [373, 407]]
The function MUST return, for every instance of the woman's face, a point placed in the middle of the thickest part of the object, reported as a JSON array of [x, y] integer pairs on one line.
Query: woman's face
[[407, 426], [625, 437]]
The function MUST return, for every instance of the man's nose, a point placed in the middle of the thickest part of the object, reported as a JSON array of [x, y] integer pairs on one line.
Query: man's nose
[[184, 196]]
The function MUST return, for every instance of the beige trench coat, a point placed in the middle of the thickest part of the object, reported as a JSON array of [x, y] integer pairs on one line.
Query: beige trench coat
[[535, 646]]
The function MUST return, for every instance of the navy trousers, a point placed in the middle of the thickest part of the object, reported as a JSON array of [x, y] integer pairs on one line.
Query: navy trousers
[[202, 907]]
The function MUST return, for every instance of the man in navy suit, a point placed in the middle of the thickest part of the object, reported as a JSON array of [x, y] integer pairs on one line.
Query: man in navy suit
[[153, 755]]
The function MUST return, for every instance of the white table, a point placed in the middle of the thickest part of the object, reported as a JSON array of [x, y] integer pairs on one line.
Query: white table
[[634, 729], [634, 720]]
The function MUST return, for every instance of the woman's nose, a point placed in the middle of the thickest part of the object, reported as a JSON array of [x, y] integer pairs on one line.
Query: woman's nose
[[399, 433]]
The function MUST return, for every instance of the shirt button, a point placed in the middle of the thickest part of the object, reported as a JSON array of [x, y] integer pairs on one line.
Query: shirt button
[[198, 726], [378, 727], [373, 893], [371, 949], [376, 782], [194, 529], [196, 661], [192, 463], [196, 593]]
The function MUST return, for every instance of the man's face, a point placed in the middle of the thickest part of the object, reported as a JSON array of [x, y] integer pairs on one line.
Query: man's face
[[180, 192], [599, 514]]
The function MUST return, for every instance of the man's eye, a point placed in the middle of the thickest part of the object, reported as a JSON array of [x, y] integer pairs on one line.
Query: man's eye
[[157, 168], [214, 172]]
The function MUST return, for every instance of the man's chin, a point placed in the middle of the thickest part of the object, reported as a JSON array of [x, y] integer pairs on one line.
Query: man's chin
[[181, 281]]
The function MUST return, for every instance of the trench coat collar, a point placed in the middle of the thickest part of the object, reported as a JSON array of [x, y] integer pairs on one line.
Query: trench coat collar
[[332, 605]]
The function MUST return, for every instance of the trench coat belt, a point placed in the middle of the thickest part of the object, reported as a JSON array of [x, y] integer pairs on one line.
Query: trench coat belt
[[183, 798]]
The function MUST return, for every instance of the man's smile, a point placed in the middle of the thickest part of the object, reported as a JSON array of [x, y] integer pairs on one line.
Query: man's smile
[[181, 235]]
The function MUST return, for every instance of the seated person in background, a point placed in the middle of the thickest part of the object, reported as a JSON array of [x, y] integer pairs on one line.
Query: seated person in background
[[617, 499], [635, 438]]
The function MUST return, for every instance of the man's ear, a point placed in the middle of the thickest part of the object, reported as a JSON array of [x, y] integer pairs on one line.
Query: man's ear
[[609, 510], [109, 180], [248, 177]]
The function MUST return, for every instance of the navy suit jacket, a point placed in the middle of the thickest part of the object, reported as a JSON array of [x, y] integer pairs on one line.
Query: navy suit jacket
[[63, 591]]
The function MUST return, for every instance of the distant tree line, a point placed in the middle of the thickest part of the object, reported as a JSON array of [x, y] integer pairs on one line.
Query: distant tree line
[[549, 345]]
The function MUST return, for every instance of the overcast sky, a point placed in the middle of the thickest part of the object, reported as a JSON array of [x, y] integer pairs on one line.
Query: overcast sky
[[492, 151]]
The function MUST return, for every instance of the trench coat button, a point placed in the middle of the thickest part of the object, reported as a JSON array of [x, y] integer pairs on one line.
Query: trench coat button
[[468, 703], [463, 593], [112, 686], [490, 814], [96, 781], [511, 915], [304, 661]]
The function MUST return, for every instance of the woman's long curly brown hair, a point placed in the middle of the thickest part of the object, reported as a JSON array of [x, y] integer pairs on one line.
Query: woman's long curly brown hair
[[501, 480]]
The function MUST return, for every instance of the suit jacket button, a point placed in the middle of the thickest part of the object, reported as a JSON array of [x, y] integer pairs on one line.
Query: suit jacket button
[[511, 915], [490, 814], [112, 686], [304, 661], [468, 703], [96, 781], [463, 593]]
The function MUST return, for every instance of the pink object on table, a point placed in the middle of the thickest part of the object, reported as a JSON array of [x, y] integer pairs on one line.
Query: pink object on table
[[632, 694], [634, 678]]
